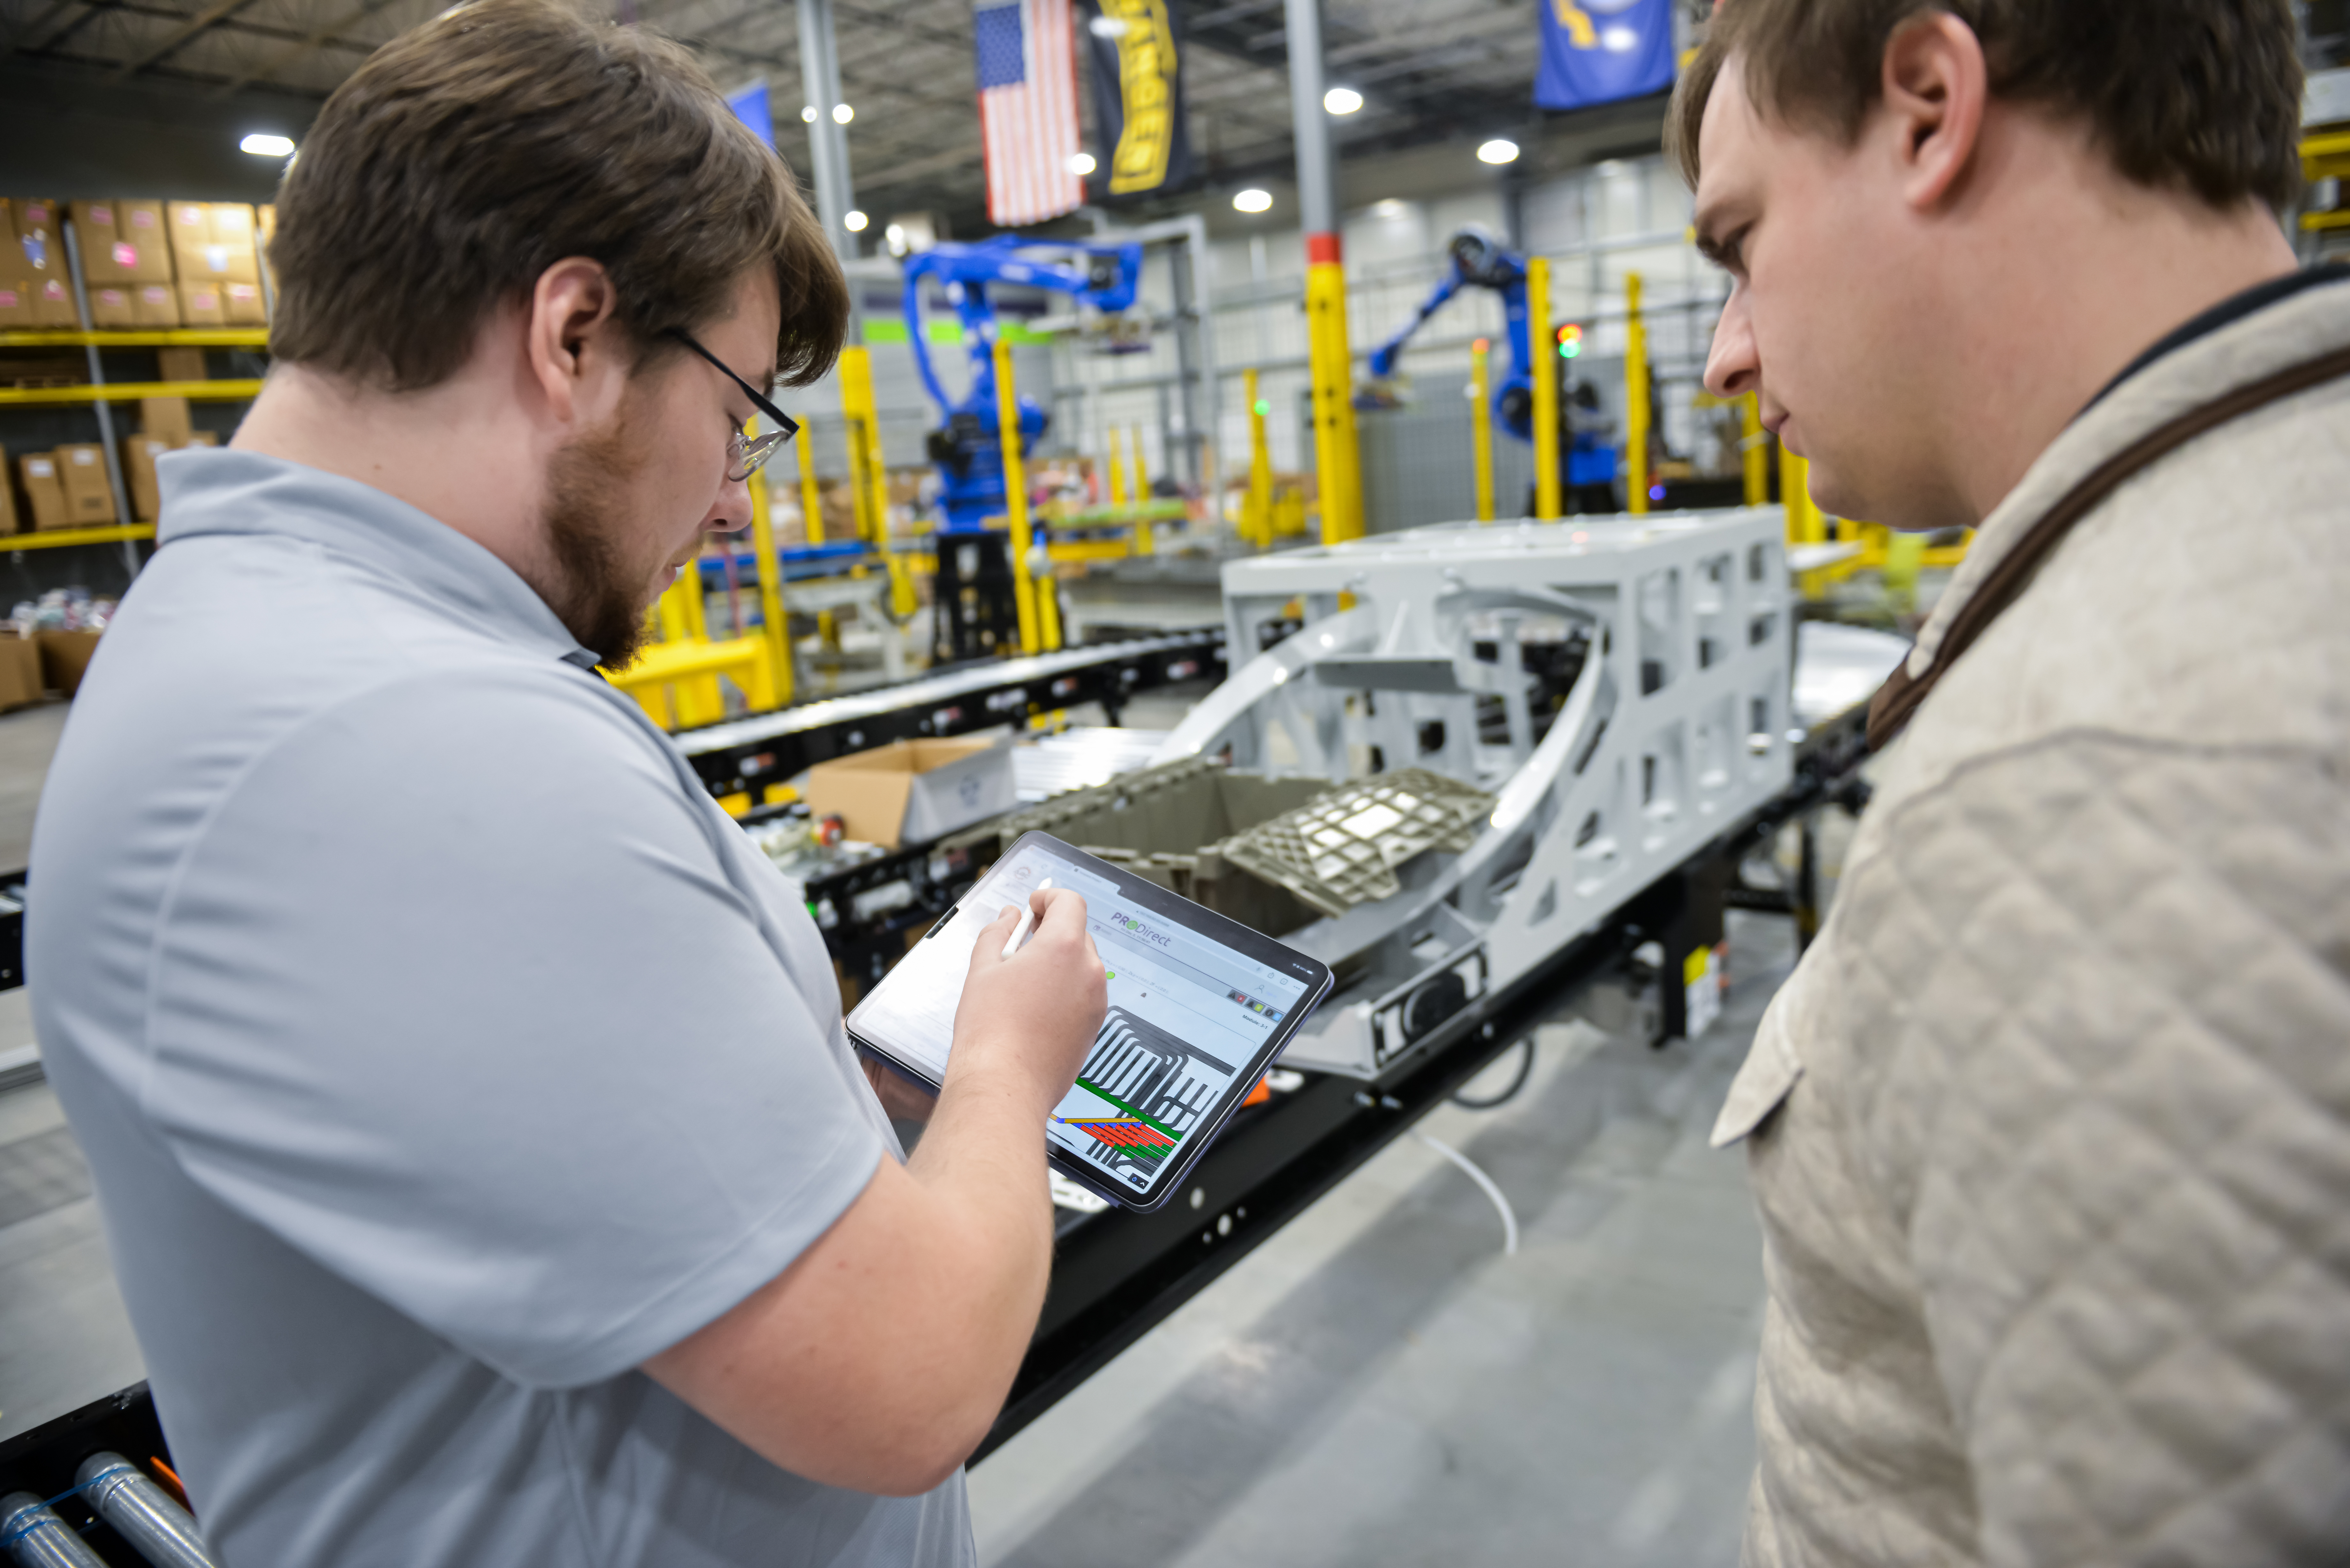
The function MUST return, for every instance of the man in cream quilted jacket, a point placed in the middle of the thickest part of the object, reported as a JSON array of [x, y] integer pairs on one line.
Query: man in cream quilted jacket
[[2050, 1131]]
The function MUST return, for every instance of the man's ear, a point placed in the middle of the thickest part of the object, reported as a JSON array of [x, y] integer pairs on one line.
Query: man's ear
[[570, 316], [1936, 89]]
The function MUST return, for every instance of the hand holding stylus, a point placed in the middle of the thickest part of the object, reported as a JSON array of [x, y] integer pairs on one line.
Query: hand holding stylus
[[1027, 918]]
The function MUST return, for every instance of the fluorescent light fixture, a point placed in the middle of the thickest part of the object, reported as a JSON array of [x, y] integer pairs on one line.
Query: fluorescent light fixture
[[808, 114], [1389, 208], [854, 220], [261, 144], [1106, 27], [1342, 100], [842, 114], [1081, 162], [1501, 149], [1252, 201]]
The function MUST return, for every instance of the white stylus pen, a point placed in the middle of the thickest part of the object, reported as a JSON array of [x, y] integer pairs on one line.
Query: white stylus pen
[[1027, 918]]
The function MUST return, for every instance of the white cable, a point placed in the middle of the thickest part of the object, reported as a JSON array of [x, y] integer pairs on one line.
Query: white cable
[[1485, 1185]]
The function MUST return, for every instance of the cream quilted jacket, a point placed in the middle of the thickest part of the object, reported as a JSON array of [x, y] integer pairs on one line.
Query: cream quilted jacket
[[2050, 1130]]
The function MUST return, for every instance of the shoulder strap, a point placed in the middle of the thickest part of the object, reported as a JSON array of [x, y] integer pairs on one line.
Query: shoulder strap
[[1897, 699]]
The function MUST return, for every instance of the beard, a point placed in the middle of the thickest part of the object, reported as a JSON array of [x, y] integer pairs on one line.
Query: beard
[[600, 597]]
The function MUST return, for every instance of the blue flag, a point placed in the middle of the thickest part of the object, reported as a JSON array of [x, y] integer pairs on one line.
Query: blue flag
[[1597, 51], [749, 107]]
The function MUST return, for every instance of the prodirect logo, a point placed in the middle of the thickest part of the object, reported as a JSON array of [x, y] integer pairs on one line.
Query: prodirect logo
[[1150, 934]]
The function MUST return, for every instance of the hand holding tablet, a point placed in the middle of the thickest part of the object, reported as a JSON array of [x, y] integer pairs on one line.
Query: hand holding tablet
[[1197, 1008]]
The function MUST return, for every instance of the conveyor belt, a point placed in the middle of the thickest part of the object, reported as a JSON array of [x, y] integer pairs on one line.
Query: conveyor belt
[[752, 754]]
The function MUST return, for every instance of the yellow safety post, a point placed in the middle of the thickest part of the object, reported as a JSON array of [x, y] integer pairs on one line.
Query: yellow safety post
[[1117, 471], [1016, 497], [1635, 399], [856, 404], [1805, 525], [1257, 517], [1331, 357], [1542, 351], [1142, 540], [1755, 448], [1481, 427], [775, 631], [811, 493]]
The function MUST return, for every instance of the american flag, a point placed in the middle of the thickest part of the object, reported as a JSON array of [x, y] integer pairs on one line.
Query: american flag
[[1028, 108]]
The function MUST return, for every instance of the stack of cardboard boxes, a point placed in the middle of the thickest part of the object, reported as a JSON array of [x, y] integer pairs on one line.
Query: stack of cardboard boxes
[[69, 488], [147, 264]]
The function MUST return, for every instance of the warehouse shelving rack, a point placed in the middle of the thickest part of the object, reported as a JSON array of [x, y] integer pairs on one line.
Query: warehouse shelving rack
[[99, 395]]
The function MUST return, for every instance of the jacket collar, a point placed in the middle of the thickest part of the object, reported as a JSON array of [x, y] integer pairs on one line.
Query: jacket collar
[[2300, 327]]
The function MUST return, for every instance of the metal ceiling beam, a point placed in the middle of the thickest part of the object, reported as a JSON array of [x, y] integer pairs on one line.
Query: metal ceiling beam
[[218, 11], [35, 28], [308, 46]]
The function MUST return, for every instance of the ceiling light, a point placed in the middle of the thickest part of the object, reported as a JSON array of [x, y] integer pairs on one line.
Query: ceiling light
[[808, 114], [1252, 200], [854, 220], [1389, 208], [1081, 162], [1619, 40], [842, 114], [261, 144], [1342, 100], [1106, 27], [1501, 149]]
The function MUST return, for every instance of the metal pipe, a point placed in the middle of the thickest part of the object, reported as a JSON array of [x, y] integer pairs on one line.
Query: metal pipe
[[827, 139], [1316, 197], [38, 1538], [142, 1513]]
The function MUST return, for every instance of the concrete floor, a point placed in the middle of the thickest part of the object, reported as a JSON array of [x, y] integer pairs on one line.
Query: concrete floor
[[1375, 1382]]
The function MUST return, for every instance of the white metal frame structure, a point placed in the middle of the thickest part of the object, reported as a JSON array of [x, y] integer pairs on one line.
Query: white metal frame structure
[[1675, 730]]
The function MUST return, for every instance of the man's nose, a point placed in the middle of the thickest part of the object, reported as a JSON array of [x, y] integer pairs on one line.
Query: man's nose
[[730, 512], [1733, 369]]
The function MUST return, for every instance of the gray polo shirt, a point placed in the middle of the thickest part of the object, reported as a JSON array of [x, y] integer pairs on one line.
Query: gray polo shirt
[[441, 1052]]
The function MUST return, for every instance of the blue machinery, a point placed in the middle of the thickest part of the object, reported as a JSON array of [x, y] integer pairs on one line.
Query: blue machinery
[[1482, 261], [966, 449]]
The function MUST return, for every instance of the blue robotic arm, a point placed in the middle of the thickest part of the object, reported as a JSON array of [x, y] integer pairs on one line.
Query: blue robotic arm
[[967, 450]]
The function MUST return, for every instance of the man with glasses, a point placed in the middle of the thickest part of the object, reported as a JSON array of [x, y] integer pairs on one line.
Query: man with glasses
[[484, 1161]]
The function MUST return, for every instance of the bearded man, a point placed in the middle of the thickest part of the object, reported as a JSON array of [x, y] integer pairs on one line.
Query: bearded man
[[483, 1158]]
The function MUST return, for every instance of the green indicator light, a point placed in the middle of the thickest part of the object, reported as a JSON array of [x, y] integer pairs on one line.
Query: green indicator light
[[1263, 407]]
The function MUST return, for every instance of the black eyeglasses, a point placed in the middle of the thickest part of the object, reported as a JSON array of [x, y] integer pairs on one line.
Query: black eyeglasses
[[745, 453]]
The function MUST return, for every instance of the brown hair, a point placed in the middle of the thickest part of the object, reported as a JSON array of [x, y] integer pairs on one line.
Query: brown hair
[[2202, 95], [465, 158]]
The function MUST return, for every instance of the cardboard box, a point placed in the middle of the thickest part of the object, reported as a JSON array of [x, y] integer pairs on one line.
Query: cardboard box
[[910, 791], [20, 671], [264, 230], [165, 419], [138, 455], [191, 224], [241, 302], [33, 222], [89, 494], [200, 306], [113, 307], [15, 303], [7, 497], [123, 242], [156, 305], [44, 492], [65, 657], [185, 364], [53, 305]]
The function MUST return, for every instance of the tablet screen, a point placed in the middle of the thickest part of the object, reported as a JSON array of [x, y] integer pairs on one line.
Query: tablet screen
[[1188, 1016]]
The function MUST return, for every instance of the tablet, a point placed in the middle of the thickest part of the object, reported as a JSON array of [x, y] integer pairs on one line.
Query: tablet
[[1199, 1007]]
